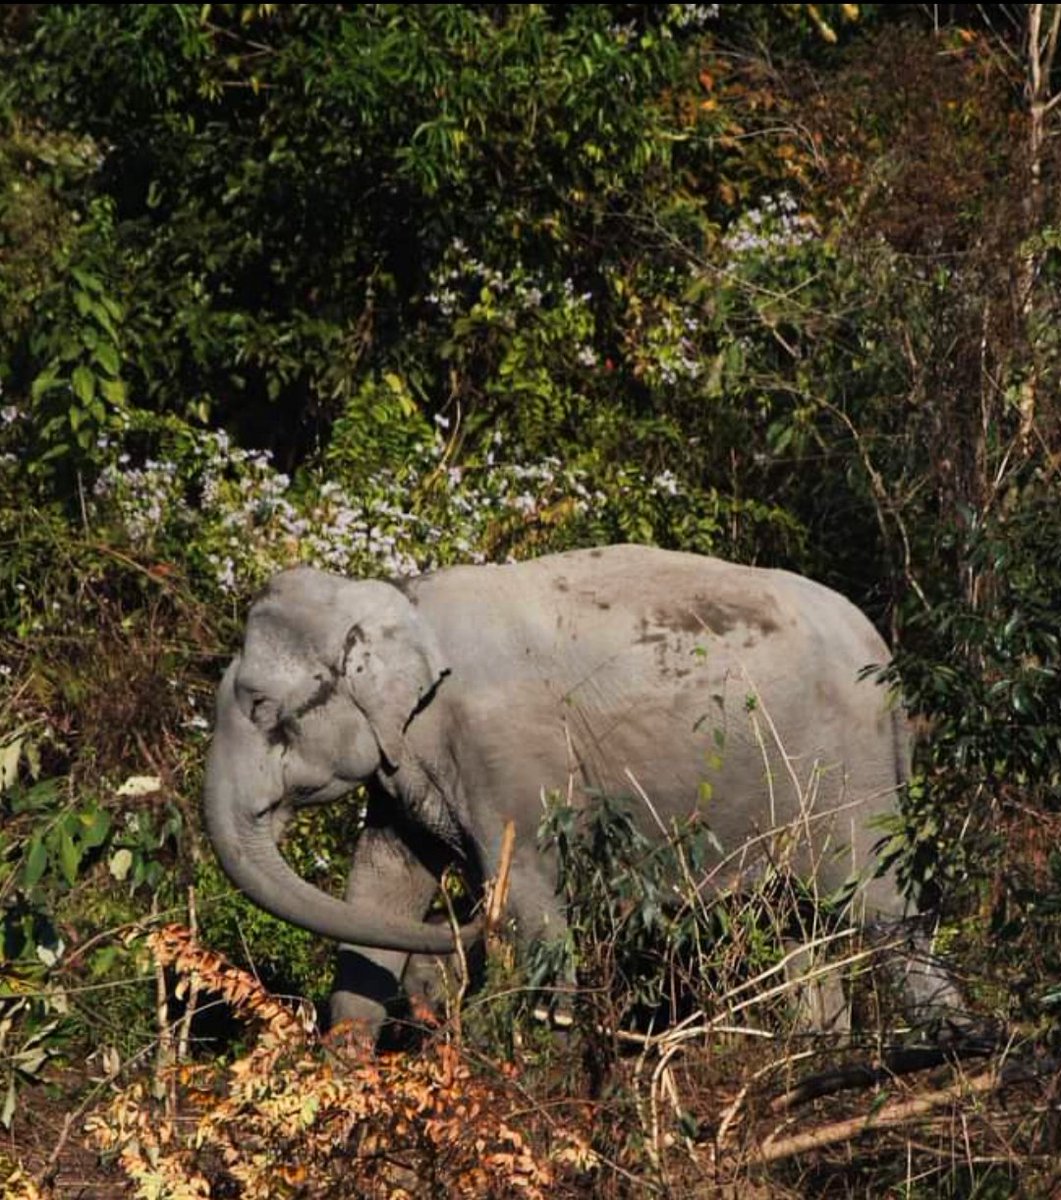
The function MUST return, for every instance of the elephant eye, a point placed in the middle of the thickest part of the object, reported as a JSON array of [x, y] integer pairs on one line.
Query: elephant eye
[[268, 716], [284, 731]]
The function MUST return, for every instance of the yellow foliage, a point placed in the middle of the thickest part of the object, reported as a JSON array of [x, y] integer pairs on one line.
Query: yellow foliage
[[20, 1186], [293, 1116]]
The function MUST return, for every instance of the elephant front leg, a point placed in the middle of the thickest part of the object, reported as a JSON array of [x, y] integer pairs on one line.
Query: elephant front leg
[[387, 876]]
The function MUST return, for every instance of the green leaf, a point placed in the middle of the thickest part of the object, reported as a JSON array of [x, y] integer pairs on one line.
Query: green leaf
[[89, 282], [113, 308], [83, 381], [96, 827], [108, 358], [69, 857], [45, 382], [102, 960], [36, 862], [41, 796], [114, 392], [102, 315]]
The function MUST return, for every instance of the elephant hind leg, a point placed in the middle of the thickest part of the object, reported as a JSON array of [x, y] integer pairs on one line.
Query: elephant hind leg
[[822, 1005], [929, 993]]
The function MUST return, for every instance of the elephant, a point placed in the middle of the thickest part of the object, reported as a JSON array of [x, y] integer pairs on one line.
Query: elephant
[[459, 698]]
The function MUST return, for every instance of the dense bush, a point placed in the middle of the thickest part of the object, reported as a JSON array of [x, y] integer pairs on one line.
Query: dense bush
[[388, 287]]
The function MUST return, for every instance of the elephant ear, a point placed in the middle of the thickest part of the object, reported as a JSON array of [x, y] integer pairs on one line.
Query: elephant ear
[[392, 666]]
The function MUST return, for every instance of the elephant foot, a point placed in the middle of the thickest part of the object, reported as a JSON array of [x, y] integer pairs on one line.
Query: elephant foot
[[821, 1004], [354, 1039], [351, 1014]]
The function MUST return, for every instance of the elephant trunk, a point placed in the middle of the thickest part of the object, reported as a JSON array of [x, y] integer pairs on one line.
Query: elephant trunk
[[243, 785]]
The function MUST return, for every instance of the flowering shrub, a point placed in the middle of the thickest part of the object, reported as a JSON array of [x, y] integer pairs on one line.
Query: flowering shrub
[[771, 229], [235, 519]]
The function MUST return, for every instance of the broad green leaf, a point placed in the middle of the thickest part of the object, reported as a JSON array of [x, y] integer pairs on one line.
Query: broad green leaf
[[36, 862], [83, 381], [103, 959], [45, 382], [69, 857], [42, 795], [71, 350], [108, 358], [101, 313], [115, 392], [87, 280], [96, 826]]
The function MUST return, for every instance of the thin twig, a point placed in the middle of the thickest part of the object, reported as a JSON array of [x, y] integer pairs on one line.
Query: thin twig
[[184, 1036], [729, 1117], [164, 1054], [454, 1015]]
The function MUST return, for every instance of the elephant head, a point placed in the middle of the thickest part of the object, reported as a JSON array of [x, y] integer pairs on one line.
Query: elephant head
[[331, 675]]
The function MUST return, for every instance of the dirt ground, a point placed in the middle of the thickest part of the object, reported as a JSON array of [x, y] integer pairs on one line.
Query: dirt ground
[[42, 1140]]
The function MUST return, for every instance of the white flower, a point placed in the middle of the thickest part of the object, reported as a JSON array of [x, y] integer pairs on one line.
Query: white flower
[[666, 482]]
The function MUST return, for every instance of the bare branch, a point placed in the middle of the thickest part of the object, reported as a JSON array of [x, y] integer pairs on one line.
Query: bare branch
[[774, 1148], [1050, 45], [1035, 50]]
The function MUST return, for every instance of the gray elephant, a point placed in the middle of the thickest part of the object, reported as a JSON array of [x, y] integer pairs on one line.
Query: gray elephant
[[458, 698]]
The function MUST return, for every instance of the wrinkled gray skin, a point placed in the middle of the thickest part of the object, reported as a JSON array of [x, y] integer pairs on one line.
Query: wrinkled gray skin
[[458, 697]]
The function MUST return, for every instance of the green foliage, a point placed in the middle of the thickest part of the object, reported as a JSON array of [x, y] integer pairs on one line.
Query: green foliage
[[982, 669], [51, 867], [78, 395], [643, 942], [286, 179], [386, 287]]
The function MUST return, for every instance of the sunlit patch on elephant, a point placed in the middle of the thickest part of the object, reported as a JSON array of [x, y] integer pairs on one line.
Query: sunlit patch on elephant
[[458, 698]]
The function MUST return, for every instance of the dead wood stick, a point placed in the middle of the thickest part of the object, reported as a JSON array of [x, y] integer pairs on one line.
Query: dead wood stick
[[774, 1149], [900, 1060], [495, 908]]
